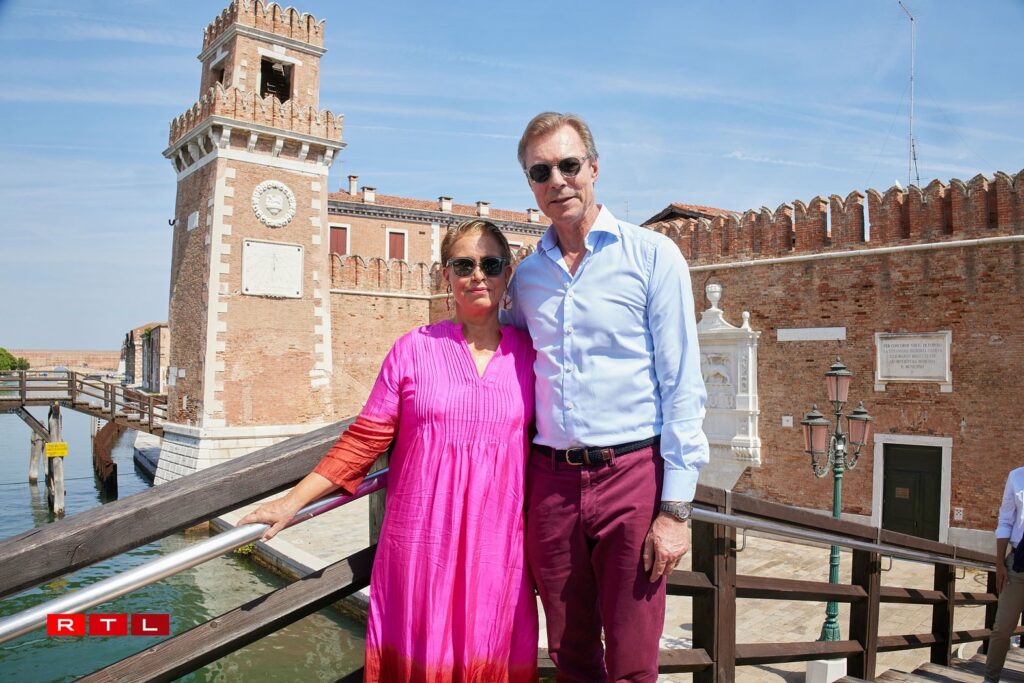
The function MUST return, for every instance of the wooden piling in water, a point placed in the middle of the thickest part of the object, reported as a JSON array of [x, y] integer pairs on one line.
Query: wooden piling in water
[[55, 466], [103, 465], [35, 456]]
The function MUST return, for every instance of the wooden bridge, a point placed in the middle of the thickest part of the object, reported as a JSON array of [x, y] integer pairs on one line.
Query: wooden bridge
[[103, 399], [713, 584]]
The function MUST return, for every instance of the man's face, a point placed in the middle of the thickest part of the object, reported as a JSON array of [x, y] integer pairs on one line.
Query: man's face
[[568, 202]]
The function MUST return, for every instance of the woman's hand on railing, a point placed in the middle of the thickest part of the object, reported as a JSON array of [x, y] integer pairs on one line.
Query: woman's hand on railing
[[277, 513]]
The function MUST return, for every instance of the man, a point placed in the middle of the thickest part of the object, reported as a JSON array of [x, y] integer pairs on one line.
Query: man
[[620, 403], [1009, 573]]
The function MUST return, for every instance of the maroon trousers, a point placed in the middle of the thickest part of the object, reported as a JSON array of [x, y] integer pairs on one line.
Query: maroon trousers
[[585, 529]]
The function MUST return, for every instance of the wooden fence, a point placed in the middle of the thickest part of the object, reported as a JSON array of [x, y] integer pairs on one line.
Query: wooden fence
[[713, 583]]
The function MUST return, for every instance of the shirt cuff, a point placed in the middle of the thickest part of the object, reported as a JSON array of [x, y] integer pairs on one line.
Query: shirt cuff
[[679, 485]]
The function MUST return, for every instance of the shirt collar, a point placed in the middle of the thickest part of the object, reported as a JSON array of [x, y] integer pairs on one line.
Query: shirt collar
[[604, 223]]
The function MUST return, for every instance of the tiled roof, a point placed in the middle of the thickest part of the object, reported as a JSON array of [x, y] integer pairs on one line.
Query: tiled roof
[[434, 205], [702, 209], [680, 210]]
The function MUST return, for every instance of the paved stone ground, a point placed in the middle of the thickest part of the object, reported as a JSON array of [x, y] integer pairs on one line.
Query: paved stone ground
[[337, 534]]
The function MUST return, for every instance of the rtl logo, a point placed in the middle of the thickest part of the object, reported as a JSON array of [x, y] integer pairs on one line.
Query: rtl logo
[[108, 624]]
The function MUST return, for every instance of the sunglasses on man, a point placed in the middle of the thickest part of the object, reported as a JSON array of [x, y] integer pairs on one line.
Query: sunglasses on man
[[491, 266], [569, 167]]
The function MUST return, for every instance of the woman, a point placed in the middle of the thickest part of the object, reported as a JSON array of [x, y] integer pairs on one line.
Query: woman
[[450, 597]]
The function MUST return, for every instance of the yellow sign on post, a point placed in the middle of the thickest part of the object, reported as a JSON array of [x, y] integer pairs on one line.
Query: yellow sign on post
[[57, 449]]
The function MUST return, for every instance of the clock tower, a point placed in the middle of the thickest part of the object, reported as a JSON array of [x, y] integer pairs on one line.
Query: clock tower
[[249, 314]]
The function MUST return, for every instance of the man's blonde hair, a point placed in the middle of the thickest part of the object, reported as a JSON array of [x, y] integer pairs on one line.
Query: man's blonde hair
[[550, 121]]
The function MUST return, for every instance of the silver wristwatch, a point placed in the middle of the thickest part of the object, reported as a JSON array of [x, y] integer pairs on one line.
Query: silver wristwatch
[[681, 511]]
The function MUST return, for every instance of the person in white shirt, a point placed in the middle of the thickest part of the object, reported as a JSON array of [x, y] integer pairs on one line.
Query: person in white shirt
[[1009, 573]]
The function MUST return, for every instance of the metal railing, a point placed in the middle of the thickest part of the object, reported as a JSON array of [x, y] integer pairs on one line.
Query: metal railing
[[171, 564]]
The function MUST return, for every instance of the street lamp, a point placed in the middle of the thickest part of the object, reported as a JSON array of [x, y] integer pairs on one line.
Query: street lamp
[[829, 449]]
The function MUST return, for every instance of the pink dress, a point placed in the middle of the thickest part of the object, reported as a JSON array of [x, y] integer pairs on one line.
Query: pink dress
[[450, 595]]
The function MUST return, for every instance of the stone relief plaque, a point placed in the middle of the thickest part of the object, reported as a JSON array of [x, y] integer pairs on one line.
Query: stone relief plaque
[[272, 269], [273, 203], [914, 357]]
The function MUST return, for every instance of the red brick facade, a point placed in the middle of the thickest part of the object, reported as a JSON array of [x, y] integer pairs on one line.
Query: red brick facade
[[945, 258]]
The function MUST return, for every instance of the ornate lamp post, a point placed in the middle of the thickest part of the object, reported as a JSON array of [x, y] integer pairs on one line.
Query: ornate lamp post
[[831, 449]]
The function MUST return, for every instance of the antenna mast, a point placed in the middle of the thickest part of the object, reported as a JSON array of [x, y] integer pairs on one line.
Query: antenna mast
[[911, 148]]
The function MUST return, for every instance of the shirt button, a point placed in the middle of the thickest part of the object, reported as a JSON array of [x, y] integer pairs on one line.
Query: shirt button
[[570, 294], [568, 405], [568, 330]]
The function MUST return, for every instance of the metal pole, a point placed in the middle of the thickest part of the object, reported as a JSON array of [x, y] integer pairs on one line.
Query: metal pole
[[186, 558], [830, 629]]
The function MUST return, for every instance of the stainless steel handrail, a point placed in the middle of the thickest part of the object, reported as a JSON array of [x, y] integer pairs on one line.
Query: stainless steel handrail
[[103, 591], [826, 538]]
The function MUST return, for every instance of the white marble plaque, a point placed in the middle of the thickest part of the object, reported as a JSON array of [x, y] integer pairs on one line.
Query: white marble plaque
[[913, 357], [272, 269]]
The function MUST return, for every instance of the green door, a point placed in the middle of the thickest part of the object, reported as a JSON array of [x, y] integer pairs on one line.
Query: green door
[[910, 492]]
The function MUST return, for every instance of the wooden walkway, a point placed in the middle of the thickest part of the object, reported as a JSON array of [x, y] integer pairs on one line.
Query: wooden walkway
[[103, 399]]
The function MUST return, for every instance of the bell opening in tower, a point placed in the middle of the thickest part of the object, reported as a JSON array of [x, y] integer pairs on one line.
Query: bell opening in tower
[[276, 80]]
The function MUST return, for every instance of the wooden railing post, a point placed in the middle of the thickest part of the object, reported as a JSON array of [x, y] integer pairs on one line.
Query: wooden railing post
[[22, 386], [377, 500], [942, 614], [151, 413], [71, 387], [714, 614], [990, 610], [866, 573]]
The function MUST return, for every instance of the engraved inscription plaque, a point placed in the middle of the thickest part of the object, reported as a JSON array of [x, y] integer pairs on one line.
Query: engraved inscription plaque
[[913, 357], [272, 269]]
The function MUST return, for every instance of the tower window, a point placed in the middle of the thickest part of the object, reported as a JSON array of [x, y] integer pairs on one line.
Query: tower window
[[276, 80], [218, 75]]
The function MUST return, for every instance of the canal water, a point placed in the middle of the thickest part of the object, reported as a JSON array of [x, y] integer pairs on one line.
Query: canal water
[[321, 647]]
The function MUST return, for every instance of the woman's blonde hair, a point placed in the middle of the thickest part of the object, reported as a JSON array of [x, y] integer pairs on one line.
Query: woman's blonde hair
[[474, 225]]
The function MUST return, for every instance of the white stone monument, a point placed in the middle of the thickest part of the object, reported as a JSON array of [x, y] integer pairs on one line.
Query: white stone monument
[[728, 360]]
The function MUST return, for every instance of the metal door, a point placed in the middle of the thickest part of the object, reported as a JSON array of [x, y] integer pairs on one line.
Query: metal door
[[911, 489]]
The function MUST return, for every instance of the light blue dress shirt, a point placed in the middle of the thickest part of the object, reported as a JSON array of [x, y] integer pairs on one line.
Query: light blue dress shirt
[[1011, 510], [617, 355]]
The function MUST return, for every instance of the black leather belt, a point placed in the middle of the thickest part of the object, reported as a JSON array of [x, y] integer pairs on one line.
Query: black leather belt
[[594, 455]]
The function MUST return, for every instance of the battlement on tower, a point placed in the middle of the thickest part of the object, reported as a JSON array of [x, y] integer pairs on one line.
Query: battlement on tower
[[980, 207], [249, 107], [270, 17]]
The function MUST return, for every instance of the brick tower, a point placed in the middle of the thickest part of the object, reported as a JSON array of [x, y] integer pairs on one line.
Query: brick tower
[[250, 357]]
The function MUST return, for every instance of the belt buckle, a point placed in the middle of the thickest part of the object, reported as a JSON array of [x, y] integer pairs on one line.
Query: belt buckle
[[568, 455]]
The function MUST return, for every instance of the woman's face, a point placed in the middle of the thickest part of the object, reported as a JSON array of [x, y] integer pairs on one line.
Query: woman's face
[[476, 293]]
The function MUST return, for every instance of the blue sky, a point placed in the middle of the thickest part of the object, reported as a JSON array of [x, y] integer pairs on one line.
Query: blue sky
[[729, 104]]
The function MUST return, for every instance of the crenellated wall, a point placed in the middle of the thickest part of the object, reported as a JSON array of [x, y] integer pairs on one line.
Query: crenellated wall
[[980, 207], [373, 303], [821, 279], [270, 17], [249, 107]]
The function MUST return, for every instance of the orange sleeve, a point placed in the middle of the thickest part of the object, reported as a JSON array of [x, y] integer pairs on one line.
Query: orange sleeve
[[351, 457]]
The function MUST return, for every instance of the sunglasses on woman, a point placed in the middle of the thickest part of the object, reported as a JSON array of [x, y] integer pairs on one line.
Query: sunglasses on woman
[[492, 266], [569, 167]]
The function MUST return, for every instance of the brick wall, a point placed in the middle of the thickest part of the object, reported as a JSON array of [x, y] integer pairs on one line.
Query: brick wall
[[373, 303], [188, 307], [947, 258]]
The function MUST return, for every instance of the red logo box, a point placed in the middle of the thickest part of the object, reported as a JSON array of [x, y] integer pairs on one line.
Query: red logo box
[[65, 624], [151, 624], [108, 624]]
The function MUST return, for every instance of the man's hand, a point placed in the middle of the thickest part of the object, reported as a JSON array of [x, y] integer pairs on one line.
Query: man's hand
[[1000, 577], [666, 543]]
